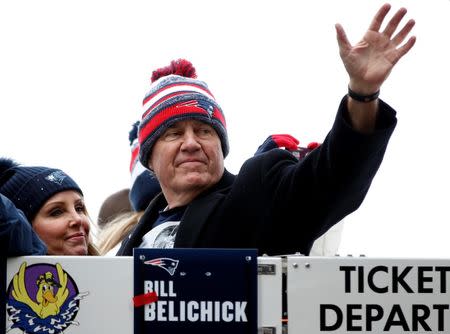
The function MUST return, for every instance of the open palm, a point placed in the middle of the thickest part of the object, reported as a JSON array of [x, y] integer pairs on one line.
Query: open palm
[[370, 61]]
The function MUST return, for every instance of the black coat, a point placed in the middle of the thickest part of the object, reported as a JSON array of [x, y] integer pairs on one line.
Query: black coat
[[277, 204]]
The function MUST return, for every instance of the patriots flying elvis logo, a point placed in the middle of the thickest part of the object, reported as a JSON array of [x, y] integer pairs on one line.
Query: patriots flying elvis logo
[[42, 298], [206, 105], [166, 263]]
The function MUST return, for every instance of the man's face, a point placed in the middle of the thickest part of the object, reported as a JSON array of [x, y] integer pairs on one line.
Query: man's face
[[187, 159]]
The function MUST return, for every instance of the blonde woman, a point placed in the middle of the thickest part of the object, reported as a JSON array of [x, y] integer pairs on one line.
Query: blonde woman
[[52, 203]]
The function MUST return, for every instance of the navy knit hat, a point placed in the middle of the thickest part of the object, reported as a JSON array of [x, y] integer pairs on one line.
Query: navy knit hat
[[30, 187], [176, 95], [144, 184]]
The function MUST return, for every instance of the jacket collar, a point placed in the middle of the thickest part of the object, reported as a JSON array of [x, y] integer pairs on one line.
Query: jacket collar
[[134, 239], [199, 210], [194, 219]]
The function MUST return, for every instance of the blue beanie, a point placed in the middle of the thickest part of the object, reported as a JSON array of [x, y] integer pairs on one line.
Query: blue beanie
[[30, 187], [144, 188]]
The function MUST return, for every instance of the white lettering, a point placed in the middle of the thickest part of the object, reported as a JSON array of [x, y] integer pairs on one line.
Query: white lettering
[[217, 311], [172, 316], [171, 291], [206, 311], [196, 311], [191, 316], [239, 311], [148, 286], [227, 317], [162, 310], [182, 311], [160, 288], [149, 312]]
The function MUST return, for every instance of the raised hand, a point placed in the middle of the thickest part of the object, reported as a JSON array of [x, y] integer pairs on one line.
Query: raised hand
[[371, 60]]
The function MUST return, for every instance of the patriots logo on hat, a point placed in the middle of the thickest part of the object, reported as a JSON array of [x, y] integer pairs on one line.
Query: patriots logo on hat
[[199, 103], [56, 177], [165, 263], [207, 106]]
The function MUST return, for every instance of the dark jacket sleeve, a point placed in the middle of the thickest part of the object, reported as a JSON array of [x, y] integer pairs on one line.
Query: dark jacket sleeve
[[343, 168], [16, 234], [299, 201]]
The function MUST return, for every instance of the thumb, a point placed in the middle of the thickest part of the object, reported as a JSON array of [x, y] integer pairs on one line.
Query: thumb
[[343, 42]]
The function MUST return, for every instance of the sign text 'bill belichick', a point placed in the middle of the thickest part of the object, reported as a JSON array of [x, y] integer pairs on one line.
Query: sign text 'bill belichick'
[[198, 290]]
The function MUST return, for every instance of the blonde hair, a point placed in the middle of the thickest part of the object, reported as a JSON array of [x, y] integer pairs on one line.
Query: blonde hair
[[92, 249], [116, 230]]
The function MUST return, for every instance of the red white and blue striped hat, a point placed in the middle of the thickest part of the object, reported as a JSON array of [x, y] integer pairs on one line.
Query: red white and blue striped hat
[[176, 95]]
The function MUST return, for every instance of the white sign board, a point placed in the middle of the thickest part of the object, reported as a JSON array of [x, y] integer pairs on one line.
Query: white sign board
[[99, 297], [270, 293], [363, 295]]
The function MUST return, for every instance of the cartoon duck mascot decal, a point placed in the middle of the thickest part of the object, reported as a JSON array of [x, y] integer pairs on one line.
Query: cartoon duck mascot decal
[[42, 299], [47, 303]]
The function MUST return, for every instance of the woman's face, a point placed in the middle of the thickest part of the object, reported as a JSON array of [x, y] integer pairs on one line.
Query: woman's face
[[63, 224]]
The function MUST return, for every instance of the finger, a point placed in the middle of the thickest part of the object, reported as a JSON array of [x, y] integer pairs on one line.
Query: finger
[[394, 22], [379, 17], [288, 145], [404, 49], [342, 39], [288, 137], [404, 32], [313, 145], [285, 140]]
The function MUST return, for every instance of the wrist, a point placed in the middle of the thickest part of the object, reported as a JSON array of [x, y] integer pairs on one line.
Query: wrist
[[363, 97], [362, 87]]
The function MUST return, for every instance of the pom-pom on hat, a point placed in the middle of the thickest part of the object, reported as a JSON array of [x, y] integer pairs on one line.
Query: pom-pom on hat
[[30, 187], [175, 95]]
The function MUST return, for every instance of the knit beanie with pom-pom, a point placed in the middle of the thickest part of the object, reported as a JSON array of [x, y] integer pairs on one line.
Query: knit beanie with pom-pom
[[176, 95]]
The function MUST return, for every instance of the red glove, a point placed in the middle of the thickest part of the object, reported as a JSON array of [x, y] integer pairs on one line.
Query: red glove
[[288, 142], [278, 141]]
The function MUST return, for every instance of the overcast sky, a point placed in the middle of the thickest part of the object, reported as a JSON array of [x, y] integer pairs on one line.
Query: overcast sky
[[73, 75]]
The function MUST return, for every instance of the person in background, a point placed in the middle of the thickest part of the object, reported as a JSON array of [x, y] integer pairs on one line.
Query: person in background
[[144, 187], [113, 206], [116, 230], [183, 139], [121, 211], [52, 204], [16, 235]]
